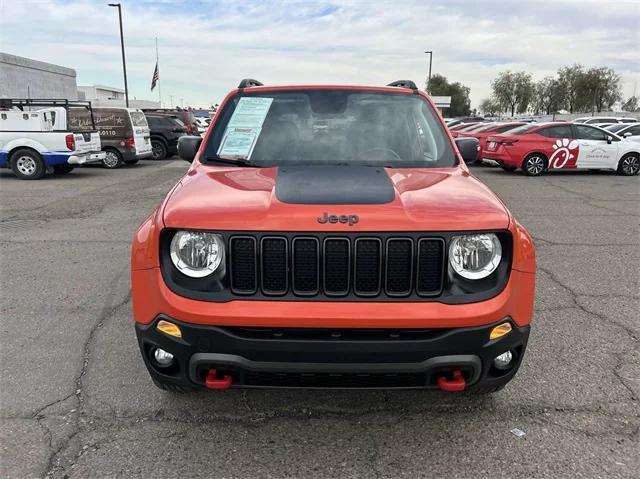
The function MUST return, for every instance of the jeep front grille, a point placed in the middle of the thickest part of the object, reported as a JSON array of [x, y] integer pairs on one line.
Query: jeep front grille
[[336, 266]]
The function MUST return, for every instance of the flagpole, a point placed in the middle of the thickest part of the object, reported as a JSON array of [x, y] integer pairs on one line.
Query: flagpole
[[158, 66]]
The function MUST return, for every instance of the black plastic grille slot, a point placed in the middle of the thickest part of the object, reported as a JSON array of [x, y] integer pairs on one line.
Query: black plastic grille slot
[[244, 273], [275, 265], [306, 274], [368, 266], [399, 266], [430, 264], [336, 266]]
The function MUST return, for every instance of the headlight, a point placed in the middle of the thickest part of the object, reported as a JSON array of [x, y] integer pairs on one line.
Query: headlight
[[475, 256], [196, 254]]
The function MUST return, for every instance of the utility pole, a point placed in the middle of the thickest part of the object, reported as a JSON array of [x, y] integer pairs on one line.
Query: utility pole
[[429, 77], [124, 63]]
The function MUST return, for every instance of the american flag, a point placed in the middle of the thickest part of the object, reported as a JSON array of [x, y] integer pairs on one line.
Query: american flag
[[156, 77]]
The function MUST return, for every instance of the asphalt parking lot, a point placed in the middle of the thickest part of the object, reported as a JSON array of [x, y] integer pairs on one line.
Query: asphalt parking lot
[[76, 400]]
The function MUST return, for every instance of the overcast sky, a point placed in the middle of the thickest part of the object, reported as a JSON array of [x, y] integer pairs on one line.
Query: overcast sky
[[207, 46]]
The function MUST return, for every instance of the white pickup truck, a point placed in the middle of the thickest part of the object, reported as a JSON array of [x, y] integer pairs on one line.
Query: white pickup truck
[[34, 142]]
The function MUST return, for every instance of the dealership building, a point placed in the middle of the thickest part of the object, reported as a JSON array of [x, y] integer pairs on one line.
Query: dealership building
[[25, 78]]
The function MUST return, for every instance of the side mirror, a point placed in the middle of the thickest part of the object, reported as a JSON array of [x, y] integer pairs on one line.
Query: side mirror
[[469, 148], [627, 134], [609, 139], [188, 146]]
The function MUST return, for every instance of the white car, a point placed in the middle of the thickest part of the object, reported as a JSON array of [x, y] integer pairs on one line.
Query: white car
[[591, 120], [203, 124], [33, 143], [629, 131]]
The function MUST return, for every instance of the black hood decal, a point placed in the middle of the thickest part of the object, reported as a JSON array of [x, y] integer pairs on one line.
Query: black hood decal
[[334, 185]]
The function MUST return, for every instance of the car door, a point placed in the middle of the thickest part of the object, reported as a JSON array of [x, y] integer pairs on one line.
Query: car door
[[564, 148], [596, 151]]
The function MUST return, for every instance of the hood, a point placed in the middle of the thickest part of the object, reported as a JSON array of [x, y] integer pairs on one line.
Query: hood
[[300, 198]]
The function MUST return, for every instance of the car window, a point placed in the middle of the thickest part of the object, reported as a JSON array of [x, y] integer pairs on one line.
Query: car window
[[616, 127], [523, 129], [327, 127], [505, 128], [627, 120], [138, 118], [584, 132], [635, 130], [561, 131]]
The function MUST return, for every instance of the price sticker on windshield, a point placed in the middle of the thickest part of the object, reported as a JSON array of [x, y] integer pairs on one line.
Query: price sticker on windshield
[[243, 130]]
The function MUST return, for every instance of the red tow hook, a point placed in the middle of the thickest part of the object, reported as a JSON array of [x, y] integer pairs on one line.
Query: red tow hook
[[214, 382], [454, 385]]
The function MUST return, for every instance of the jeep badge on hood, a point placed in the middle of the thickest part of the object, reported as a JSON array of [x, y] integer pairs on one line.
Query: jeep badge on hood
[[327, 218]]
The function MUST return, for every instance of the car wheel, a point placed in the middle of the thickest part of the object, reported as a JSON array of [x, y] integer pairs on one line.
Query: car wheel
[[158, 149], [112, 160], [62, 169], [27, 165], [629, 164], [535, 164], [509, 168]]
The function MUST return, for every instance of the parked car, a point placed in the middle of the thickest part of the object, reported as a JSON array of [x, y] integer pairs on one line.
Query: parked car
[[538, 148], [331, 236], [629, 131], [203, 124], [604, 119], [165, 131], [34, 142], [468, 128], [124, 134], [483, 132], [187, 117]]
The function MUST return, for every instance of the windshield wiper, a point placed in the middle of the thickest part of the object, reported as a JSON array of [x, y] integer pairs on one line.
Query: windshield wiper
[[228, 161]]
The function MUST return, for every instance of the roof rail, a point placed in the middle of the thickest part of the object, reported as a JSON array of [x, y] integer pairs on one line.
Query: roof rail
[[248, 82], [20, 103], [404, 84]]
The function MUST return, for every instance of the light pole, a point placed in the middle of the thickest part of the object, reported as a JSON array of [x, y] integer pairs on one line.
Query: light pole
[[429, 79], [124, 63]]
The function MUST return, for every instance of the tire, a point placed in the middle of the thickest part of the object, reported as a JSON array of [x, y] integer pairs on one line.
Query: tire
[[113, 159], [629, 164], [63, 169], [159, 149], [131, 162], [173, 388], [535, 164], [27, 164], [510, 169]]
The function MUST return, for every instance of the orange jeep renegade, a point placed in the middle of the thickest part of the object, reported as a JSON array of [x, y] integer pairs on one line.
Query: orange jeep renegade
[[331, 236]]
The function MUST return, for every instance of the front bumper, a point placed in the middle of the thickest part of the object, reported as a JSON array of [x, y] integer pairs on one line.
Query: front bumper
[[84, 158], [331, 357]]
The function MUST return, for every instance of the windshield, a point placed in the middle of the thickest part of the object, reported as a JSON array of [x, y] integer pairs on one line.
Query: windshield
[[138, 119], [616, 127], [327, 127]]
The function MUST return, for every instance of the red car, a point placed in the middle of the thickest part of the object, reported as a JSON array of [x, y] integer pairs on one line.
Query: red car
[[483, 132], [539, 147], [455, 132]]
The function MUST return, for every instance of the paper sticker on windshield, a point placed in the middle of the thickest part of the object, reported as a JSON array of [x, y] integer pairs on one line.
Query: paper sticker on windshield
[[238, 143], [244, 127]]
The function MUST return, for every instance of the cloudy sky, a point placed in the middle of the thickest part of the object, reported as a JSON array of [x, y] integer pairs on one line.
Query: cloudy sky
[[207, 46]]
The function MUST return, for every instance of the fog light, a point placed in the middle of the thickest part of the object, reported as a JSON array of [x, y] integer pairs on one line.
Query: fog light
[[162, 357], [503, 361]]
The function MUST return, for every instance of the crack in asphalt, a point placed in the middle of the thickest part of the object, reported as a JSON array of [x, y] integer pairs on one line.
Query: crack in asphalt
[[107, 312], [630, 332], [587, 198]]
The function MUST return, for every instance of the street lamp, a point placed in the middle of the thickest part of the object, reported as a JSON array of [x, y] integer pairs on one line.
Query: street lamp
[[429, 79], [124, 63]]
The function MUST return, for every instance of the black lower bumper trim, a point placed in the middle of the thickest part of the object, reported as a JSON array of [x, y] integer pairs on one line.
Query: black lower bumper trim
[[341, 359]]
